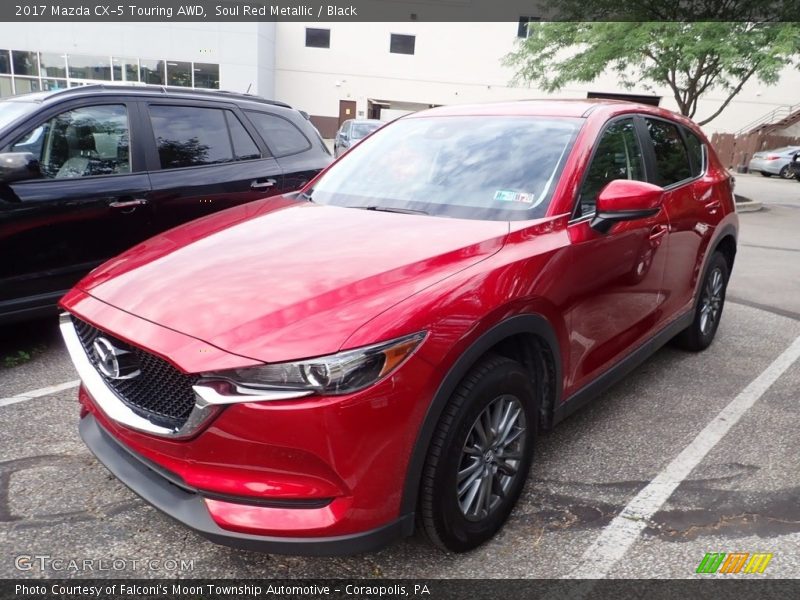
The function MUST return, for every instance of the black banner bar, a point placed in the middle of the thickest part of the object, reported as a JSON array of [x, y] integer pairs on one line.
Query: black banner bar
[[394, 10], [714, 587]]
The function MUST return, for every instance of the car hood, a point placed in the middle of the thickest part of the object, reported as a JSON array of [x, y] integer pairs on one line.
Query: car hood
[[278, 280]]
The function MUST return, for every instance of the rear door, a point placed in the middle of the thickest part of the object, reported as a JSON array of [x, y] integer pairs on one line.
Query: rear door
[[204, 158], [89, 203], [689, 202], [616, 277]]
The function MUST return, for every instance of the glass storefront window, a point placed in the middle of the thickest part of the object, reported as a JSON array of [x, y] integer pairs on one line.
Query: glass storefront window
[[53, 65], [125, 69], [25, 63], [89, 67], [206, 75], [152, 71], [5, 87], [52, 84], [179, 73], [5, 62], [25, 85]]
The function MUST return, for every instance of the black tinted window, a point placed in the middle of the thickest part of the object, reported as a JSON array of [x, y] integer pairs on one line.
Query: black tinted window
[[188, 136], [618, 156], [696, 153], [281, 136], [672, 160], [318, 38], [243, 145], [402, 44]]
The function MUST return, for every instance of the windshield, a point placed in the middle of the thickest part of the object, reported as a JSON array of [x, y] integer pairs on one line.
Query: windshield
[[475, 167], [11, 110], [361, 130]]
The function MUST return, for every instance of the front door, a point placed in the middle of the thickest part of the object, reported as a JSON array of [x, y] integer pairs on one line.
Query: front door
[[347, 110], [616, 277], [87, 205]]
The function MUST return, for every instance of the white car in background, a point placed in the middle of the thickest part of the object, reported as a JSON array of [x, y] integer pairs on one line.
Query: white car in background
[[774, 162]]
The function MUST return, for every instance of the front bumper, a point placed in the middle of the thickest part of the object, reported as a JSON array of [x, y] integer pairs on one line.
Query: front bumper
[[168, 494]]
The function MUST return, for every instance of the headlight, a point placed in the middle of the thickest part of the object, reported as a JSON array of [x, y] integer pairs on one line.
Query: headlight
[[341, 373]]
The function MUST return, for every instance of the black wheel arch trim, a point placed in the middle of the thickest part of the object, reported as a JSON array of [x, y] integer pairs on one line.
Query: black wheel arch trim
[[519, 324], [726, 230]]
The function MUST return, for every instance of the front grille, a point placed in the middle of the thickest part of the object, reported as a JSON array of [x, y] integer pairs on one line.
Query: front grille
[[160, 393]]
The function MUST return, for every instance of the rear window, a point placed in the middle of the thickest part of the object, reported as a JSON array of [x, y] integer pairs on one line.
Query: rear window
[[697, 153], [282, 137], [672, 159]]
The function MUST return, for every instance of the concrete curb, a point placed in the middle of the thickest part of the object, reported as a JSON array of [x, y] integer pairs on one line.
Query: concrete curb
[[744, 205]]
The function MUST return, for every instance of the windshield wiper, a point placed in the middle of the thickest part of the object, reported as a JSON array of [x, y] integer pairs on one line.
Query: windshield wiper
[[405, 211]]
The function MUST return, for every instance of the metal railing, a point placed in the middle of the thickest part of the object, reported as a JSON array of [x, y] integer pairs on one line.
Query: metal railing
[[770, 118]]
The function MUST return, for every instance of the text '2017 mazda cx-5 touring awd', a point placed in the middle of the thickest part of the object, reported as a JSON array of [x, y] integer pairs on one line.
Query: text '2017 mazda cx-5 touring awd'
[[317, 373]]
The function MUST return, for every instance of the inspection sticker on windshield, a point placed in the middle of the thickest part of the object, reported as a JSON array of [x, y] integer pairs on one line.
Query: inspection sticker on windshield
[[509, 196]]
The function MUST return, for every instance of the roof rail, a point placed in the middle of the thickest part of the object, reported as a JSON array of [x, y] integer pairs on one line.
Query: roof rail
[[167, 90]]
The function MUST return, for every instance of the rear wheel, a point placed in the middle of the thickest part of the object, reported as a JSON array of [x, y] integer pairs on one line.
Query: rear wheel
[[786, 173], [479, 456], [699, 335]]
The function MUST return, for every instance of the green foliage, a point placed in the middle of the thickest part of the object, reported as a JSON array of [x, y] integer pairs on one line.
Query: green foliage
[[689, 58]]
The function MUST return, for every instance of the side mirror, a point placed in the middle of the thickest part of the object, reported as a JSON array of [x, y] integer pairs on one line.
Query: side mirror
[[16, 166], [626, 200]]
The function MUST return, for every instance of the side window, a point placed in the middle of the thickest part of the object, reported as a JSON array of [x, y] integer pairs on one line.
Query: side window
[[83, 142], [672, 160], [618, 156], [188, 136], [244, 148], [281, 136], [697, 153]]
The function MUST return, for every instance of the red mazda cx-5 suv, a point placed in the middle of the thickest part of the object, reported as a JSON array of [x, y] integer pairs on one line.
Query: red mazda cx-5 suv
[[316, 373]]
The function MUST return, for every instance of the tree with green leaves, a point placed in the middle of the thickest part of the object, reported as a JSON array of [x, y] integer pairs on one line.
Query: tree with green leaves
[[689, 58]]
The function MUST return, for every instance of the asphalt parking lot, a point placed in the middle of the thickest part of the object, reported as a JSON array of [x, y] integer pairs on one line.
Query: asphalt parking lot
[[743, 495]]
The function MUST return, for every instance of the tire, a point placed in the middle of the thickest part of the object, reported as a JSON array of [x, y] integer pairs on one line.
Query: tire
[[448, 518], [699, 335], [786, 173], [765, 174]]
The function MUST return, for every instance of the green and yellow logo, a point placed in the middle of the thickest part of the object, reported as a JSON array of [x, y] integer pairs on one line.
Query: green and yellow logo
[[735, 562]]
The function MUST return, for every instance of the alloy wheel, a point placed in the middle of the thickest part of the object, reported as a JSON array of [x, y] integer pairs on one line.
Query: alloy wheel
[[711, 302], [491, 457]]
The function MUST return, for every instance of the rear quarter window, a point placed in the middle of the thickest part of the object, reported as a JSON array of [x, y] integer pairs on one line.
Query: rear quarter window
[[282, 136]]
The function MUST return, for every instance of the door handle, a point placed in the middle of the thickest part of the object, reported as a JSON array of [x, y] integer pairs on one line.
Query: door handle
[[132, 203], [262, 185], [657, 232], [713, 206]]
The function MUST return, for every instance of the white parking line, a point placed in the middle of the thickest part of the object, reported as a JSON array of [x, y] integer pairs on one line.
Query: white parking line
[[619, 535], [45, 391]]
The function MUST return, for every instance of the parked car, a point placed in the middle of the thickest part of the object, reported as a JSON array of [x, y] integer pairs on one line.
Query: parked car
[[88, 172], [795, 166], [353, 131], [315, 374], [774, 162]]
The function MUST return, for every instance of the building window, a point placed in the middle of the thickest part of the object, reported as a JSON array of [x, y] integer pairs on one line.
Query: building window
[[25, 63], [179, 73], [125, 69], [522, 31], [5, 87], [152, 71], [206, 75], [89, 67], [5, 63], [53, 65], [402, 44], [318, 38]]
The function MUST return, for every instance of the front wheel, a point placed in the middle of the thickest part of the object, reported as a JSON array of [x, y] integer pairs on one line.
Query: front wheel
[[479, 456], [699, 335]]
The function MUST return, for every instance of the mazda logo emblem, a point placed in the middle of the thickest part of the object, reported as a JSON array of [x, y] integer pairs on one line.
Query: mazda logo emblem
[[113, 362]]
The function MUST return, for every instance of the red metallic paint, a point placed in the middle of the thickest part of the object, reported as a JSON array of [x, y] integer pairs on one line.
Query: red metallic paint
[[278, 280]]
